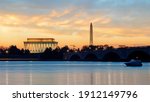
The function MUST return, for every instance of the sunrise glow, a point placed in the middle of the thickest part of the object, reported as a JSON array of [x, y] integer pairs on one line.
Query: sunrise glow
[[115, 22]]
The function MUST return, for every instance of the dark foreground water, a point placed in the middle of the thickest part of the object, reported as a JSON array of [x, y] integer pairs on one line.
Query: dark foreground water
[[72, 73]]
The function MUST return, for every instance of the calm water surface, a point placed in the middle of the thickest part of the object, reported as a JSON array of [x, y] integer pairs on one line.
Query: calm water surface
[[72, 73]]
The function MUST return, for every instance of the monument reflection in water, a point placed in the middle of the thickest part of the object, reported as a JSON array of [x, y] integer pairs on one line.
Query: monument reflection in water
[[72, 73]]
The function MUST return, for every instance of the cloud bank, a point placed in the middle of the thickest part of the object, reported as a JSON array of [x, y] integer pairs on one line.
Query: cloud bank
[[111, 18]]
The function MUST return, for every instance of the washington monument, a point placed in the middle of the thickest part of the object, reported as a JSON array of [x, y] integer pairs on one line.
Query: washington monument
[[91, 34]]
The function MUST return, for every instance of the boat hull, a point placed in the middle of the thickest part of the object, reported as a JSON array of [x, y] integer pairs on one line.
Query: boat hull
[[133, 64]]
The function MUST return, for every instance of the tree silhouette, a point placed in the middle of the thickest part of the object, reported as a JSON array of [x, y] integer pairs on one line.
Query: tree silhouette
[[3, 50], [56, 54], [13, 50], [47, 54]]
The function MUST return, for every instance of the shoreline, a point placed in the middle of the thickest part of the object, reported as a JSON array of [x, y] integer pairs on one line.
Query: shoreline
[[19, 59], [37, 59]]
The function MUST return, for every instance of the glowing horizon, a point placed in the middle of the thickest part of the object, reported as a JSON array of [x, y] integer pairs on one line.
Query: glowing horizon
[[115, 22]]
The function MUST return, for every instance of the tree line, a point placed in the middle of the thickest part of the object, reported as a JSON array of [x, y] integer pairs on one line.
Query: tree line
[[49, 54]]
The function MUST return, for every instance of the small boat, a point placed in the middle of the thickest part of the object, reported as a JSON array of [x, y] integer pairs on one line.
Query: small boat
[[133, 63]]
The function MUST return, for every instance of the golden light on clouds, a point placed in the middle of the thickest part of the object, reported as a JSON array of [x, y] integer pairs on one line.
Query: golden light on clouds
[[69, 22]]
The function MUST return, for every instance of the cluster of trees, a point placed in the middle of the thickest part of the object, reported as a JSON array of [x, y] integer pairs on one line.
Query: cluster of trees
[[13, 50], [96, 47], [48, 54], [56, 54]]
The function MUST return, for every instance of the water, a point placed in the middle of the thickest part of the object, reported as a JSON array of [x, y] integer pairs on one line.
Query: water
[[72, 73]]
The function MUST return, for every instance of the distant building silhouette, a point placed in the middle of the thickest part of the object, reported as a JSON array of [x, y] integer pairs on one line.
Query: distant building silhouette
[[91, 34], [38, 45]]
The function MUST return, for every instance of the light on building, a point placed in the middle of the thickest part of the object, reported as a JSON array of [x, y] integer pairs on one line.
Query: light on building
[[38, 45]]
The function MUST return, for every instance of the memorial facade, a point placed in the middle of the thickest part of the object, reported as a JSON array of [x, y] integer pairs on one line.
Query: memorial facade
[[38, 45]]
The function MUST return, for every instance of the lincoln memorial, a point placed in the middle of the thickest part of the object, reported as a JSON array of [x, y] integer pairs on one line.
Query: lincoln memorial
[[38, 45]]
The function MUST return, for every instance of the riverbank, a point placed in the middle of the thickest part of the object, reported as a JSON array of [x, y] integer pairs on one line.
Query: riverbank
[[38, 59], [28, 59], [19, 59]]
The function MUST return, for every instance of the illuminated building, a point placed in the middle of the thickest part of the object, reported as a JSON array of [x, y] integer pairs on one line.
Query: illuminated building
[[38, 45]]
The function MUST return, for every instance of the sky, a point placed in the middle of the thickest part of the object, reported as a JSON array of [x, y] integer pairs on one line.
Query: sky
[[115, 22]]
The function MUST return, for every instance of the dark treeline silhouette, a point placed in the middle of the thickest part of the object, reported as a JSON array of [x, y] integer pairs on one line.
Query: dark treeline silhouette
[[56, 54], [48, 54], [59, 53], [13, 52], [96, 47]]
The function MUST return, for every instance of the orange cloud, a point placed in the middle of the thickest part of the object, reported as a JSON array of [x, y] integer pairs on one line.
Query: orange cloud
[[68, 28]]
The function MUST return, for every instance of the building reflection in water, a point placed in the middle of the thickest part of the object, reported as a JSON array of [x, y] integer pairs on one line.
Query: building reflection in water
[[11, 74], [75, 78]]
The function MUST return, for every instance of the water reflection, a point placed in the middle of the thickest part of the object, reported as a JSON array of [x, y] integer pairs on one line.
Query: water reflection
[[48, 73]]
